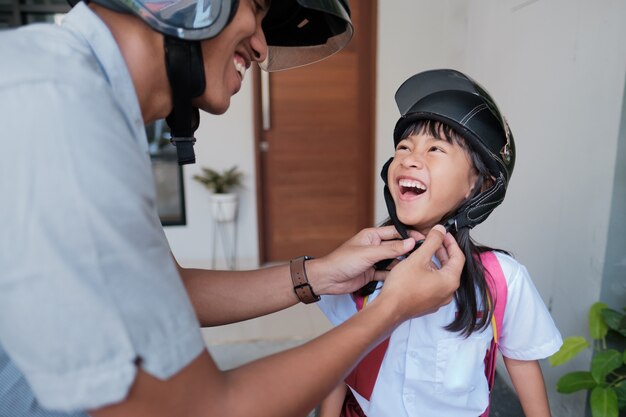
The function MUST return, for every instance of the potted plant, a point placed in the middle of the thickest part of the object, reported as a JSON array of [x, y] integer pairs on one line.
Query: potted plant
[[221, 185], [606, 380]]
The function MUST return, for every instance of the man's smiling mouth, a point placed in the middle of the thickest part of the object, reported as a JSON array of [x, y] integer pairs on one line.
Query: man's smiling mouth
[[240, 65]]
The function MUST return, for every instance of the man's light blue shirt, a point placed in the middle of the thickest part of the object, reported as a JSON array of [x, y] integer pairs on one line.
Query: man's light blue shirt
[[88, 288]]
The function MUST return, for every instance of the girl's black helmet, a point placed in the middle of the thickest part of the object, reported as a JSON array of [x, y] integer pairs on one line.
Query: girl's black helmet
[[458, 101]]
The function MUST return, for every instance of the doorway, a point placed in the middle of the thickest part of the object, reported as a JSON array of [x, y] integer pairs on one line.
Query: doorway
[[314, 137]]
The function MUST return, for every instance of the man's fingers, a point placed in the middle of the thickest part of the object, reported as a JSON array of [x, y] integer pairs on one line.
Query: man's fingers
[[387, 233], [416, 235], [380, 275], [398, 247], [442, 255], [390, 249], [433, 241], [456, 259]]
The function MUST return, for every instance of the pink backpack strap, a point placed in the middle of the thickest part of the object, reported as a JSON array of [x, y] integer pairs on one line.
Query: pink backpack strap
[[498, 290]]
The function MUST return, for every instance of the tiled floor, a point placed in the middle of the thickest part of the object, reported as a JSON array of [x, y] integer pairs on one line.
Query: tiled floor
[[504, 402]]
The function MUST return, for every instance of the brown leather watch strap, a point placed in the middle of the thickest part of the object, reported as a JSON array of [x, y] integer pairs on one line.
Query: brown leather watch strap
[[301, 285]]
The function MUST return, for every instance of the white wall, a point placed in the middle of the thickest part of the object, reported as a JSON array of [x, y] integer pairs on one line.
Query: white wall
[[557, 70], [222, 141]]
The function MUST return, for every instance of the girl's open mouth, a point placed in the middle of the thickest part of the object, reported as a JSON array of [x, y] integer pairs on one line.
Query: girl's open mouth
[[410, 187]]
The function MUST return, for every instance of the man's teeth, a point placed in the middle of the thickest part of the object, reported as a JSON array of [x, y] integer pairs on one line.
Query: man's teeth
[[241, 68], [412, 184]]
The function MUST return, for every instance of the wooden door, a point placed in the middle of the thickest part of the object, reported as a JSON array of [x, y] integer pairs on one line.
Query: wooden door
[[315, 161]]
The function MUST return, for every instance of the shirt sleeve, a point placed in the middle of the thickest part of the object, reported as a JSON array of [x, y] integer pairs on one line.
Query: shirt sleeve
[[528, 331], [337, 308], [88, 289]]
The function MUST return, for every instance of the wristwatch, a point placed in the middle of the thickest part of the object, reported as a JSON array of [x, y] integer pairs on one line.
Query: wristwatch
[[301, 285]]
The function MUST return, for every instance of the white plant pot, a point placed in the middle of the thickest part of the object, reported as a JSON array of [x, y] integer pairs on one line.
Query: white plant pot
[[223, 207]]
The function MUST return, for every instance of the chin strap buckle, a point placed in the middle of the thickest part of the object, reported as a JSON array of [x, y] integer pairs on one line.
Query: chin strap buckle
[[184, 149], [185, 73]]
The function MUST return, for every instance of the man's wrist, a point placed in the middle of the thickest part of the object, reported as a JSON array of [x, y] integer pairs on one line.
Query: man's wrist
[[301, 285], [319, 275]]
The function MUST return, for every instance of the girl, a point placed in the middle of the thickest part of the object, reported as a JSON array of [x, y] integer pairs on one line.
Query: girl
[[453, 160]]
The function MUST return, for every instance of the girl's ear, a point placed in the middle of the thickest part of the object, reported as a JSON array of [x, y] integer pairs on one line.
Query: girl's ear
[[484, 182], [487, 183]]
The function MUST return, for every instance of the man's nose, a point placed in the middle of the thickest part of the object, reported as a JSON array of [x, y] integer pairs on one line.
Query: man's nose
[[259, 45]]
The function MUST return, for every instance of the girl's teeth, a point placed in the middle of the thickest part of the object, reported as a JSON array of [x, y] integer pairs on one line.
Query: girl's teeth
[[411, 184]]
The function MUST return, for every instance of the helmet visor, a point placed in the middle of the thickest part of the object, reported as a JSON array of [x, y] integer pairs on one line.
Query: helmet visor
[[184, 19], [300, 32], [430, 82]]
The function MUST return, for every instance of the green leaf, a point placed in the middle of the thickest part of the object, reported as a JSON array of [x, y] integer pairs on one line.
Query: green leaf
[[605, 362], [575, 381], [597, 325], [220, 183], [613, 319], [572, 346], [620, 390], [603, 402]]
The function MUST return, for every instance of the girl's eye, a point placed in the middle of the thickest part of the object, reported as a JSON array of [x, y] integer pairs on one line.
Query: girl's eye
[[436, 149], [401, 147]]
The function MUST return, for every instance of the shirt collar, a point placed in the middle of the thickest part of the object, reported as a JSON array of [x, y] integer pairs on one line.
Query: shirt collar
[[85, 24]]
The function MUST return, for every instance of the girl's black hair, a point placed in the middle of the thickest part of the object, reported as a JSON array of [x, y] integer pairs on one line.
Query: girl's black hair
[[471, 316]]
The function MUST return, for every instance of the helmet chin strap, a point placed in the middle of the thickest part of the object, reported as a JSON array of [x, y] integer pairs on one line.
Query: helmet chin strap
[[391, 209], [391, 206], [185, 72]]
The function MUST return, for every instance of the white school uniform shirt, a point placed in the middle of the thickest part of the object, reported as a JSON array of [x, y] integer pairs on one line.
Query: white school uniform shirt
[[428, 371]]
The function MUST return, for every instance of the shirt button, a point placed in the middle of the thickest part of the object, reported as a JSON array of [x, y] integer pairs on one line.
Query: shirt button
[[413, 354], [408, 398]]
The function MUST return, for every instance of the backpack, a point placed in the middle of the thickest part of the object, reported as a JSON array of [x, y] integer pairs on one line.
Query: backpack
[[363, 377]]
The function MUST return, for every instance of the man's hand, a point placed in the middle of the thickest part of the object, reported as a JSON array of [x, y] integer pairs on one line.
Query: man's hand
[[415, 286], [350, 266]]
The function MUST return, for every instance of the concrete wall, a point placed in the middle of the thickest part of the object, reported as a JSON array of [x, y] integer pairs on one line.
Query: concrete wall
[[556, 68], [614, 273], [223, 141]]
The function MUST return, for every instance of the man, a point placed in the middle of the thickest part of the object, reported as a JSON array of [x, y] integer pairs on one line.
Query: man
[[95, 315]]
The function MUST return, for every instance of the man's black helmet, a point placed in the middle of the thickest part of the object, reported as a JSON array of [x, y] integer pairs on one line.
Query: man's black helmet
[[298, 32], [456, 100]]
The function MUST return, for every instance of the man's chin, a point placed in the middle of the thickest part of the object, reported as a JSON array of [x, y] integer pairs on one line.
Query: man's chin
[[213, 108]]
